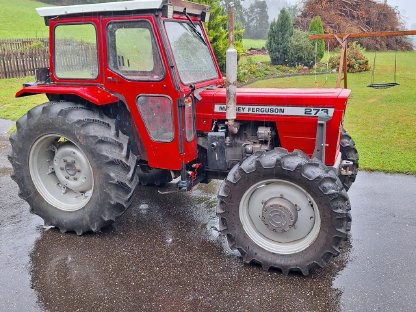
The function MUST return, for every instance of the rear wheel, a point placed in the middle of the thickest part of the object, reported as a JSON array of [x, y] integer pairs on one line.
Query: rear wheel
[[73, 166], [349, 152], [284, 211]]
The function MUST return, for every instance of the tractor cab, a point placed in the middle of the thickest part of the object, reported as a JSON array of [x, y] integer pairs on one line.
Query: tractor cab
[[149, 55]]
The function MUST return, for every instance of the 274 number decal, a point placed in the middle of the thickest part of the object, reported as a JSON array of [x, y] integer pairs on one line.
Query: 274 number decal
[[316, 111]]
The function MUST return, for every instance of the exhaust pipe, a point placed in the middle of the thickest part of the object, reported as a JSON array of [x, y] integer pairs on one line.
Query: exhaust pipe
[[231, 73]]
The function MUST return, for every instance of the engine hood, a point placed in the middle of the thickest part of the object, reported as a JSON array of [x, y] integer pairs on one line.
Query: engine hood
[[271, 103], [273, 96]]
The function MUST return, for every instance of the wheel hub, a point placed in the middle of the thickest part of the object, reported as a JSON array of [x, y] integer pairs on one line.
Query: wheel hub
[[72, 168], [279, 214], [61, 172]]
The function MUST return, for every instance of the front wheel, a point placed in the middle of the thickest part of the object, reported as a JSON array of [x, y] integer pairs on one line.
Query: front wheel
[[73, 166], [349, 152], [284, 211]]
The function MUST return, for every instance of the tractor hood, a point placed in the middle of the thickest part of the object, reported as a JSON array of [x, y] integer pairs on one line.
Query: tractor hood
[[271, 103], [272, 96]]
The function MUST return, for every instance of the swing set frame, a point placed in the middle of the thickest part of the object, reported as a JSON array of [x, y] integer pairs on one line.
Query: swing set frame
[[343, 41]]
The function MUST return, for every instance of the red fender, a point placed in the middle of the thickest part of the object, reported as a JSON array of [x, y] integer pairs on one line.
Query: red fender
[[94, 94]]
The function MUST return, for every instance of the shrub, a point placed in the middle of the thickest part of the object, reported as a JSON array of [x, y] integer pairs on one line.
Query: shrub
[[301, 50], [356, 60], [278, 38]]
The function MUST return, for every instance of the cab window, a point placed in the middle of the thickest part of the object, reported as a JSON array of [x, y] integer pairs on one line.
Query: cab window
[[75, 54], [132, 51]]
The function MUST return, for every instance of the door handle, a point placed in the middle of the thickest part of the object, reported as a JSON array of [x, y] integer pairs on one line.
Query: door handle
[[112, 79]]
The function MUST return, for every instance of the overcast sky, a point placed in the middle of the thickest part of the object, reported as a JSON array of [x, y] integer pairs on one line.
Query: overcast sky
[[407, 10]]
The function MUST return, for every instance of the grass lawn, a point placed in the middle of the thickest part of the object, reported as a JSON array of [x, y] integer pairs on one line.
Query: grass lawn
[[382, 122], [20, 20], [256, 58], [13, 108], [254, 43]]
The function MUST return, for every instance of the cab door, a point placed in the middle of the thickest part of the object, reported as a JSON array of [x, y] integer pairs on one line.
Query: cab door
[[136, 70]]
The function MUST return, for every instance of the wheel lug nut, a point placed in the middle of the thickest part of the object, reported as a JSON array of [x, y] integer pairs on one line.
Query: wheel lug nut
[[75, 178], [78, 170], [73, 161], [67, 177], [65, 160], [62, 168]]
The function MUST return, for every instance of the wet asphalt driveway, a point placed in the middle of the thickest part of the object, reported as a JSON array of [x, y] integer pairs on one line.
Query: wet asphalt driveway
[[164, 254]]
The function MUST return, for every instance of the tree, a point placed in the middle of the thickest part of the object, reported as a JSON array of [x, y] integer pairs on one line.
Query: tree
[[316, 28], [217, 30], [238, 8], [256, 23], [301, 51], [353, 16], [278, 38]]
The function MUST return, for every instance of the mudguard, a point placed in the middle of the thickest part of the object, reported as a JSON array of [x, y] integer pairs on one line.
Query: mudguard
[[94, 94]]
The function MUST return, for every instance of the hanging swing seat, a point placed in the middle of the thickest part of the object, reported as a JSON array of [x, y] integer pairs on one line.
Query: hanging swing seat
[[383, 85]]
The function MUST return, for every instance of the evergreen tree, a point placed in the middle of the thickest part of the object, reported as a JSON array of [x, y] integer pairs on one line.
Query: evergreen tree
[[278, 38], [238, 10], [316, 28], [217, 29], [256, 22]]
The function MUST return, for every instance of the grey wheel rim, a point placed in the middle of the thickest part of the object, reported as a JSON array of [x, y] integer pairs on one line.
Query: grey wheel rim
[[61, 172], [280, 216]]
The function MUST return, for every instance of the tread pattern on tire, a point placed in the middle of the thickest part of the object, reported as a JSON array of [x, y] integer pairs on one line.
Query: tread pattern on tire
[[109, 148], [291, 165], [349, 152]]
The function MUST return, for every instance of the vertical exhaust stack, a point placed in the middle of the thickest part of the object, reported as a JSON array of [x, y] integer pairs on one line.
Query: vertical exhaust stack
[[231, 73]]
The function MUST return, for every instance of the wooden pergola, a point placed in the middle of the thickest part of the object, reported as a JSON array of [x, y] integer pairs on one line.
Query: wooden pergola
[[343, 41]]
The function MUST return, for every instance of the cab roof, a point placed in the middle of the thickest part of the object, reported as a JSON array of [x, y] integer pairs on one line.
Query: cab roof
[[126, 6]]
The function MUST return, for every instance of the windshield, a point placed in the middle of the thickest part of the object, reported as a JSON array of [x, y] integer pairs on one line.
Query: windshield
[[192, 55]]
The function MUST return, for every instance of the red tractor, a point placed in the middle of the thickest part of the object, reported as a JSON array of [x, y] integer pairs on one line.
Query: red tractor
[[136, 96]]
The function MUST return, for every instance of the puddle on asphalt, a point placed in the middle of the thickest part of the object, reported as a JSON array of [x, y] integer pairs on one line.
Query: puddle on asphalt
[[164, 254]]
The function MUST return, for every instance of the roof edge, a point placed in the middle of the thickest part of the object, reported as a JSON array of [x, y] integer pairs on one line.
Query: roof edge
[[122, 6]]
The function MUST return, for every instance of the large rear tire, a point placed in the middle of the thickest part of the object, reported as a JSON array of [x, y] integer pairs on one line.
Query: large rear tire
[[73, 166], [284, 211], [349, 152]]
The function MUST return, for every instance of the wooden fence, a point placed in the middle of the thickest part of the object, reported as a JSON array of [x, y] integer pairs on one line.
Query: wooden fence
[[14, 64], [21, 57], [23, 44]]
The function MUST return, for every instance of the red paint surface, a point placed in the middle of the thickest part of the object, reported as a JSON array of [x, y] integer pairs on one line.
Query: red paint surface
[[94, 94]]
